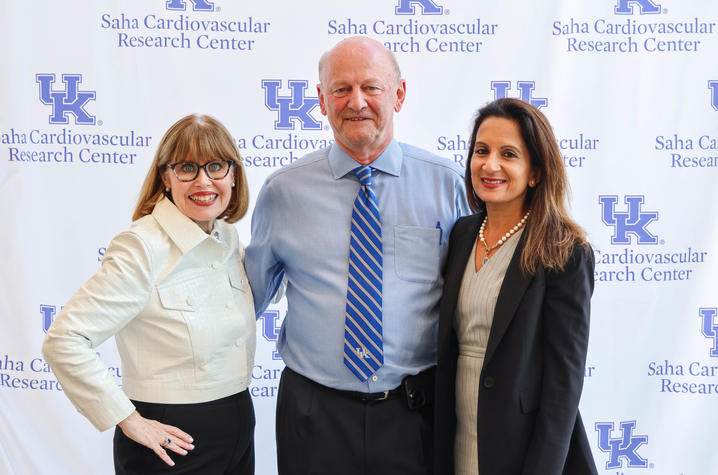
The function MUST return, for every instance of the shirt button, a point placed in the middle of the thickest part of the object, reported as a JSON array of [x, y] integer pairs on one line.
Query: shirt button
[[238, 342], [213, 265], [189, 301], [375, 378], [215, 234], [229, 305]]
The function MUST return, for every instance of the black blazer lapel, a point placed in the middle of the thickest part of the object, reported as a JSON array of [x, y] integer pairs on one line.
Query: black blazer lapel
[[456, 264], [512, 290], [459, 252]]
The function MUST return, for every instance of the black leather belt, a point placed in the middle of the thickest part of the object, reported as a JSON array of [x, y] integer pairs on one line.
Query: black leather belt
[[370, 397], [417, 389]]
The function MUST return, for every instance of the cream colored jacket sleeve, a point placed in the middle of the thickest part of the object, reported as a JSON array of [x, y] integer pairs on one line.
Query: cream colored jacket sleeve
[[102, 307]]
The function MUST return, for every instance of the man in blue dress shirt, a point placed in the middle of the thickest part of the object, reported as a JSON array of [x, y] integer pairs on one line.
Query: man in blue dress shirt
[[359, 337]]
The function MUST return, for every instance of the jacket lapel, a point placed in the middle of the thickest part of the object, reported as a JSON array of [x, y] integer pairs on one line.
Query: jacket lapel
[[455, 266], [512, 290], [457, 262]]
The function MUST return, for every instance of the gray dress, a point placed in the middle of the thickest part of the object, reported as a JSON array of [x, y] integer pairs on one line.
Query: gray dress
[[472, 322]]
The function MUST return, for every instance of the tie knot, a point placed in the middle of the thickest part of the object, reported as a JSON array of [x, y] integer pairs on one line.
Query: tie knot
[[363, 173]]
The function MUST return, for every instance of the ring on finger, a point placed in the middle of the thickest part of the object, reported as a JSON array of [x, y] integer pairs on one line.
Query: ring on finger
[[166, 442]]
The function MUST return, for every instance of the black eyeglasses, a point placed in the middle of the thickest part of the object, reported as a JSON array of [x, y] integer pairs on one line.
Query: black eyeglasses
[[189, 171]]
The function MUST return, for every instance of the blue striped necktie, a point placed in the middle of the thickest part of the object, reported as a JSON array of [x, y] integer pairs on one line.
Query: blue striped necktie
[[363, 347]]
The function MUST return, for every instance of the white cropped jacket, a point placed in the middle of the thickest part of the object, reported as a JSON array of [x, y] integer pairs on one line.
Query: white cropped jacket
[[180, 307]]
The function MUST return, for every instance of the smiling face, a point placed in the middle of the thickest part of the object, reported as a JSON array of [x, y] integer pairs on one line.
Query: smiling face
[[202, 199], [501, 169], [359, 92]]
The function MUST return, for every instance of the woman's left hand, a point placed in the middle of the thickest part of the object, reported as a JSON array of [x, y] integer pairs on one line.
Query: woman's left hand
[[156, 436]]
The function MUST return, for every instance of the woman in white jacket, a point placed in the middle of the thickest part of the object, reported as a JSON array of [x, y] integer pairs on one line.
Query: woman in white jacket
[[173, 291]]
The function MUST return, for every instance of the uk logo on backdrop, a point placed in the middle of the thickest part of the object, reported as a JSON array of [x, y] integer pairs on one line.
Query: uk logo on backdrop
[[425, 7], [644, 7], [709, 327], [295, 108], [270, 329], [48, 315], [713, 87], [622, 446], [66, 100], [197, 5], [524, 91], [631, 222]]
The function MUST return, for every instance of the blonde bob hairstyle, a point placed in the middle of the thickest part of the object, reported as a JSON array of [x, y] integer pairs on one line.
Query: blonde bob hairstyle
[[196, 138]]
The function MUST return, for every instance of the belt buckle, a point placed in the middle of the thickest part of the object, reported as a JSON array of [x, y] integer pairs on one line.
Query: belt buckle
[[383, 396]]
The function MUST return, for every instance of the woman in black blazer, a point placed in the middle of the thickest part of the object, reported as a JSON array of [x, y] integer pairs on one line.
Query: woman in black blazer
[[514, 319]]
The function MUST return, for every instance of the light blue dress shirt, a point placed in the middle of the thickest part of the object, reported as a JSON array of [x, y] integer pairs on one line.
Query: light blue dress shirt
[[300, 229]]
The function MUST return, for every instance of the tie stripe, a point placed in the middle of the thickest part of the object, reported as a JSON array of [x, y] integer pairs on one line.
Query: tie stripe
[[363, 346], [367, 231], [353, 276], [371, 252]]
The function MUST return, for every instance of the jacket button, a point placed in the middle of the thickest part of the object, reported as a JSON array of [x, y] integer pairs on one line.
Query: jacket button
[[488, 382]]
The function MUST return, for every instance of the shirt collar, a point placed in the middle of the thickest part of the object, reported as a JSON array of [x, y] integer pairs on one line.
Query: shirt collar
[[185, 233], [389, 161]]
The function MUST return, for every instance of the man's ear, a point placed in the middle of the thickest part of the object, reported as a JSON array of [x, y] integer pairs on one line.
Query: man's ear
[[400, 95], [322, 106]]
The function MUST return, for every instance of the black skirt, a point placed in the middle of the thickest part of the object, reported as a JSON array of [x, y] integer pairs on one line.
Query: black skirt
[[223, 433]]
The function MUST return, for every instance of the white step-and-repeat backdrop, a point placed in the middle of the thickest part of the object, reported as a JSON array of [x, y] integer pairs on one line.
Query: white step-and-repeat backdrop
[[630, 86]]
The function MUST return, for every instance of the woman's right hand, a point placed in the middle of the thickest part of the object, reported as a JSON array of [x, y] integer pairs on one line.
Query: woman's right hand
[[156, 436]]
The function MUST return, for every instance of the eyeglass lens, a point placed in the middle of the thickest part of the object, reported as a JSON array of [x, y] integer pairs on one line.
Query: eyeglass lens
[[188, 171]]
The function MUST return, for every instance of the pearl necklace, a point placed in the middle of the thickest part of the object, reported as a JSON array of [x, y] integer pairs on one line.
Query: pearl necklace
[[503, 239]]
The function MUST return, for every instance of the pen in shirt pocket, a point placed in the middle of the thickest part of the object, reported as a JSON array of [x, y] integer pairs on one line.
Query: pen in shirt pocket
[[441, 231]]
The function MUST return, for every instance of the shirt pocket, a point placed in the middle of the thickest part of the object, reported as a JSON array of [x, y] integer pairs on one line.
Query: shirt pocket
[[238, 280], [417, 253], [241, 292], [191, 313], [184, 296]]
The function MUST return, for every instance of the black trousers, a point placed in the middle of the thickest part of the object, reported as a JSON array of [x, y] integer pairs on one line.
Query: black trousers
[[325, 431], [223, 432]]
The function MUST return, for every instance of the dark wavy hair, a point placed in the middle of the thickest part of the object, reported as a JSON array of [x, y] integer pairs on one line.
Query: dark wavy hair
[[550, 233]]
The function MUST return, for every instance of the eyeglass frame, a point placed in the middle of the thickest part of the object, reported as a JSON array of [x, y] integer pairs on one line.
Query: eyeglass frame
[[203, 166]]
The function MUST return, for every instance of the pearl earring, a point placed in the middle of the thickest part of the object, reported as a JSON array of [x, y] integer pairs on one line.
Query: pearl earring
[[532, 183], [232, 184]]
